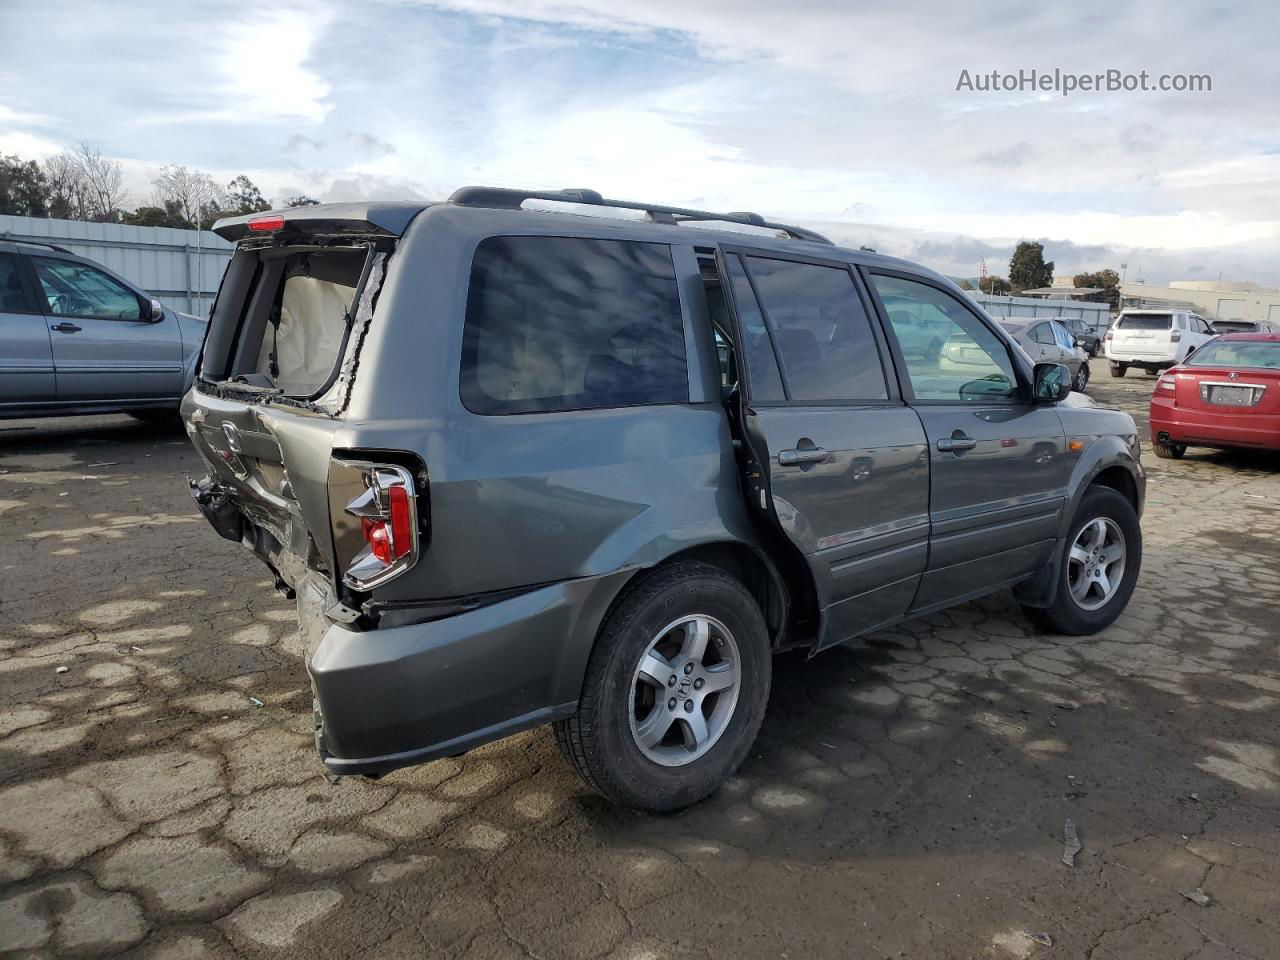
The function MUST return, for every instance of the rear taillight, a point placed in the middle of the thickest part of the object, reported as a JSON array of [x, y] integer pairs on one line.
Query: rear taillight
[[388, 514], [1165, 383], [1175, 336], [1108, 336]]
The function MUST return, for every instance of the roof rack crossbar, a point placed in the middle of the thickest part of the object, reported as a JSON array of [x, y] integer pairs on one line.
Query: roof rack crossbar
[[654, 213], [11, 237]]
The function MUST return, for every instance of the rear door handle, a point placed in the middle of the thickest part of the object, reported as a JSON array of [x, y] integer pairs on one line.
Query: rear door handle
[[65, 327], [956, 443], [789, 458]]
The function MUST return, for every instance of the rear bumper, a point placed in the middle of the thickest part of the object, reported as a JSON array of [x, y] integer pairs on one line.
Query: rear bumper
[[1212, 429], [1152, 361], [396, 696]]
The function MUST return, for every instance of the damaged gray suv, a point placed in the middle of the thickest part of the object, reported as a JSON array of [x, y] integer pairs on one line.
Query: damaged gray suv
[[524, 466]]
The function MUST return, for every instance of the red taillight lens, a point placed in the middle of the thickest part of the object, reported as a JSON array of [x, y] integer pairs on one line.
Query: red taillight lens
[[401, 518], [1165, 383], [1108, 336], [378, 537], [266, 224], [1175, 336]]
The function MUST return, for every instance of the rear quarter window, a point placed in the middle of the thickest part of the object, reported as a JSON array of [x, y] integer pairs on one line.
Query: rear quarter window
[[566, 323]]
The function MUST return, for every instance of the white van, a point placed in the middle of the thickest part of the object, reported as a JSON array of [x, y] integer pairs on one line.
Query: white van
[[1154, 339]]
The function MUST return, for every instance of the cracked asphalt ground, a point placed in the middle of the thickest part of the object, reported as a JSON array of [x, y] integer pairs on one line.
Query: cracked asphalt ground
[[159, 795]]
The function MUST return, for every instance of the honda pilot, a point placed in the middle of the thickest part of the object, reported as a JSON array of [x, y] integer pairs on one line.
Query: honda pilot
[[525, 458]]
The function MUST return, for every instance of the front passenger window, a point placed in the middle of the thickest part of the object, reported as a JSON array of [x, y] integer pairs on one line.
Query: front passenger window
[[74, 289], [973, 365]]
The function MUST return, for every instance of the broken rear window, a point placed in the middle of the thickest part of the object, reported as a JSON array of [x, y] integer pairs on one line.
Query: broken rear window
[[283, 319]]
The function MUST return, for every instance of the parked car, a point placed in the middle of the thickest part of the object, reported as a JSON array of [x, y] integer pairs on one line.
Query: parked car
[[1242, 326], [1225, 395], [1154, 339], [499, 460], [1084, 335], [77, 338], [1048, 341]]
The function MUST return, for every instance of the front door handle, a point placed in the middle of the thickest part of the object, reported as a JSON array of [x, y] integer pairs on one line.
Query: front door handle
[[956, 443], [65, 327], [789, 458]]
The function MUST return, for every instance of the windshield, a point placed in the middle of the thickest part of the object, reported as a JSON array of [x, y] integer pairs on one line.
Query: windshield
[[1234, 326], [1145, 321], [1261, 354]]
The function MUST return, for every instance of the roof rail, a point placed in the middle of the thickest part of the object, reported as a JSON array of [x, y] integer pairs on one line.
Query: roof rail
[[655, 213], [12, 238]]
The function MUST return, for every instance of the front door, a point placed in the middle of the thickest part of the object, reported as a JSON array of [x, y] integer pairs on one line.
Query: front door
[[847, 474], [26, 359], [103, 349], [998, 463]]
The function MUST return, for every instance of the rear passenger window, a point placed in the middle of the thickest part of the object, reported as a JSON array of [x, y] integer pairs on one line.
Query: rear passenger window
[[560, 323], [762, 365], [821, 330]]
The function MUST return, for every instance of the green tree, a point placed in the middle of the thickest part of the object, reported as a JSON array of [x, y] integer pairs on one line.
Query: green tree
[[242, 197], [998, 286], [1027, 267], [23, 189], [1108, 280], [301, 200], [167, 216]]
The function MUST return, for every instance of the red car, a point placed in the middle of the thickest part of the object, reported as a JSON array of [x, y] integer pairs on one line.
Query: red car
[[1226, 394]]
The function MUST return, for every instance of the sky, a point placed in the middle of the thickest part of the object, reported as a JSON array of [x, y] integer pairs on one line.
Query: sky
[[843, 117]]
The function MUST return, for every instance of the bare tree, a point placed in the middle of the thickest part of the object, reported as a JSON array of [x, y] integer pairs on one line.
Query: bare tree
[[103, 182], [68, 196], [192, 192]]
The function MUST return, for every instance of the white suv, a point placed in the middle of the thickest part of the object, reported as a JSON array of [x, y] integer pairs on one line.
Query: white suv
[[1154, 339]]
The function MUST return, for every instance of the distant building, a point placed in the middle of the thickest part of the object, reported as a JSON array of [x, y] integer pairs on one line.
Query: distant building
[[1213, 299]]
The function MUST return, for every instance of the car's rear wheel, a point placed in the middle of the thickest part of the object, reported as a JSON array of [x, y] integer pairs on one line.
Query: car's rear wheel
[[675, 690], [1081, 380], [1119, 369], [1167, 450], [1098, 567]]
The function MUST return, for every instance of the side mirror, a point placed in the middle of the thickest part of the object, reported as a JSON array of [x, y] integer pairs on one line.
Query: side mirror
[[1052, 383], [153, 312]]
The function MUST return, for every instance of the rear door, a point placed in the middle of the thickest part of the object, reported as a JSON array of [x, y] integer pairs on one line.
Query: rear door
[[847, 474], [998, 464], [104, 345], [26, 358]]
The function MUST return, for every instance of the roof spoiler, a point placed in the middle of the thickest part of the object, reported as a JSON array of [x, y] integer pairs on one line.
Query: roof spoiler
[[655, 213], [327, 219]]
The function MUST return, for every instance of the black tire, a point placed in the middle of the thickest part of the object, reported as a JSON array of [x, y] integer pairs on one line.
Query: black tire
[[162, 416], [933, 353], [1081, 380], [597, 740], [1064, 615], [1119, 369], [1169, 451]]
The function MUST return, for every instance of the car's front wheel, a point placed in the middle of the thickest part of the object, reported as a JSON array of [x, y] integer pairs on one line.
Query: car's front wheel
[[675, 690], [1098, 568]]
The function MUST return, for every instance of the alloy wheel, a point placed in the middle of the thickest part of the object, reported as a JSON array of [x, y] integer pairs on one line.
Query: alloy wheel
[[1095, 566], [684, 691]]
